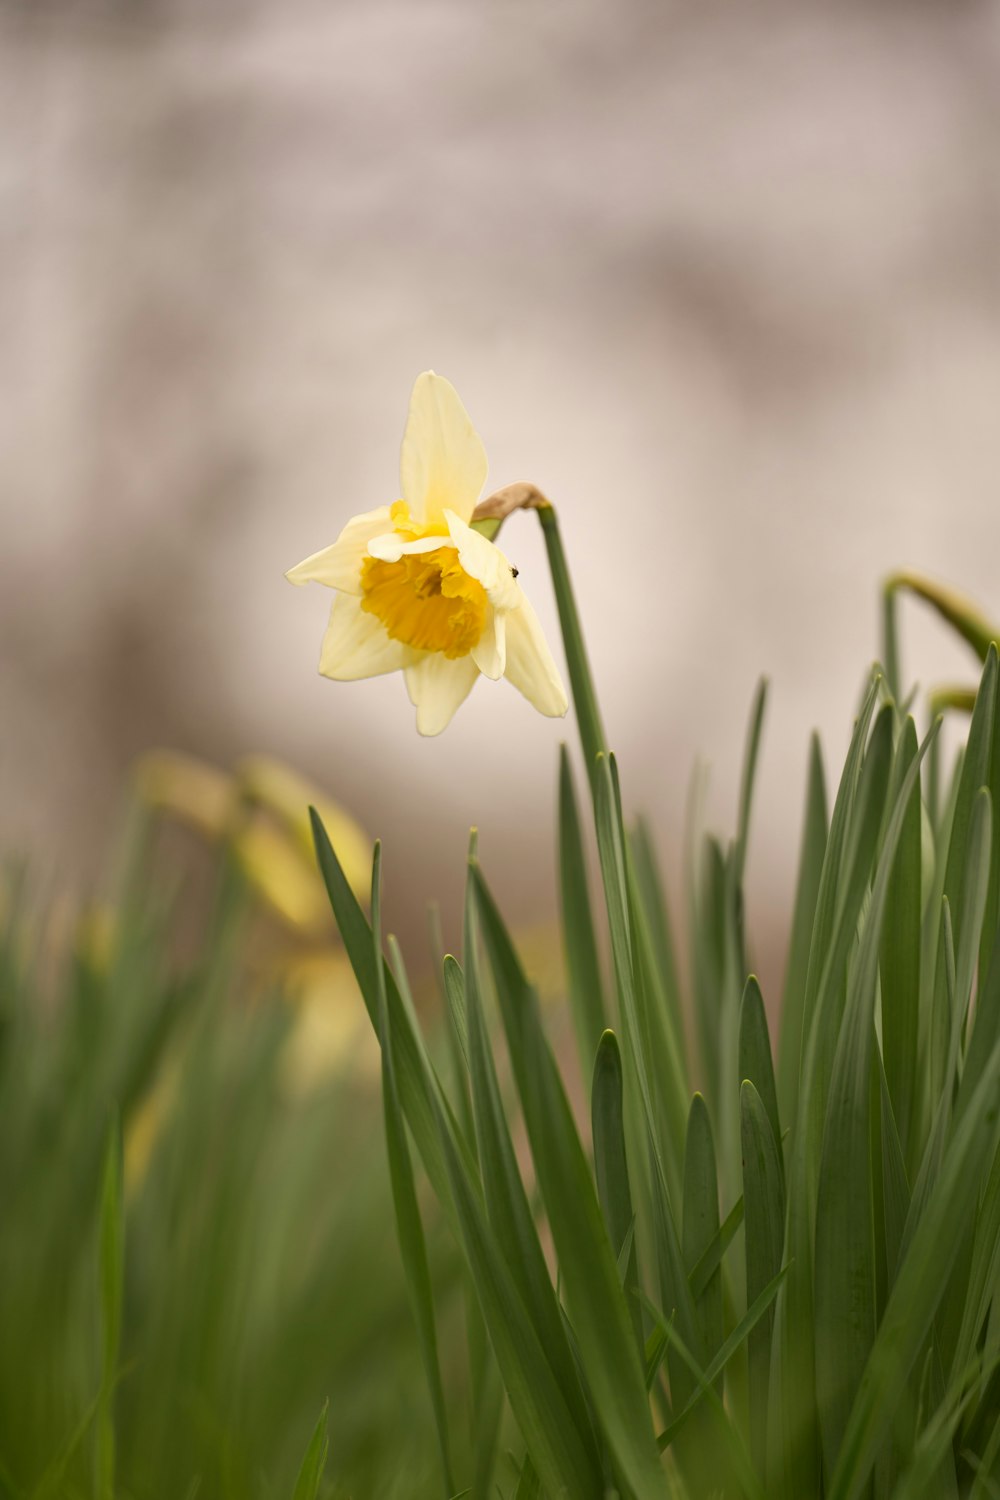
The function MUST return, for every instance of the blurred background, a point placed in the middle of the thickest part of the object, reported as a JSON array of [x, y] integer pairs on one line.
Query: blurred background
[[722, 280]]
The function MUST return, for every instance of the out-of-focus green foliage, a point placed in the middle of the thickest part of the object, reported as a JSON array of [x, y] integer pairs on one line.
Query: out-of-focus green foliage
[[175, 1330]]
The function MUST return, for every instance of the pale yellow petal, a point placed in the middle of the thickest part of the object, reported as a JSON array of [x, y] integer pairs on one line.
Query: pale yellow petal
[[356, 644], [490, 651], [484, 561], [391, 546], [530, 666], [437, 687], [339, 566], [442, 462]]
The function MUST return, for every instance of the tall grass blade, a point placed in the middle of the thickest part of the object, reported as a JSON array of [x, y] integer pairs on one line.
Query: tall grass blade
[[747, 778], [845, 1303], [701, 1219], [536, 1400], [975, 774], [764, 1219], [587, 1261], [900, 957], [112, 1272], [661, 1038], [755, 1053], [507, 1204], [651, 897], [793, 1433], [409, 1226], [918, 1288], [314, 1463], [583, 971], [895, 1186], [611, 1167], [528, 1484], [414, 1081], [674, 1287], [812, 851], [705, 1383]]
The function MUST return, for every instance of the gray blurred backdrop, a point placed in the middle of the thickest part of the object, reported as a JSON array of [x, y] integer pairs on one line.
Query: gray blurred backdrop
[[723, 280]]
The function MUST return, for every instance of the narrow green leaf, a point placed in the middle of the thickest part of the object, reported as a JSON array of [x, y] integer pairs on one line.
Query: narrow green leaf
[[313, 1464], [919, 1284], [976, 891], [528, 1484], [977, 880], [755, 1053], [934, 1013], [811, 858], [536, 1400], [583, 970], [900, 956], [845, 1310], [652, 897], [451, 992], [52, 1482], [975, 774], [656, 1348], [112, 1271], [890, 642], [414, 1076], [764, 1211], [957, 970], [675, 1289], [704, 1269], [986, 1486], [660, 1041], [985, 1028], [409, 1226], [538, 1404], [991, 921], [486, 1388], [454, 988], [707, 905], [932, 1451], [701, 1219], [586, 1258], [758, 1309], [793, 1435], [895, 1187], [507, 1204], [984, 1273], [749, 772], [611, 1166], [487, 1414]]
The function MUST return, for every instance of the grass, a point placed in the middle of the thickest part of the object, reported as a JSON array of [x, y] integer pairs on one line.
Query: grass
[[782, 1286], [175, 1326]]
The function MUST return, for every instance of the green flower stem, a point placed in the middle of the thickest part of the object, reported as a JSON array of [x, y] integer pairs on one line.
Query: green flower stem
[[588, 715]]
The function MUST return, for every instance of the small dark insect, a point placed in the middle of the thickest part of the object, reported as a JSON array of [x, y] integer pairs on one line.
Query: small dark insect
[[514, 571]]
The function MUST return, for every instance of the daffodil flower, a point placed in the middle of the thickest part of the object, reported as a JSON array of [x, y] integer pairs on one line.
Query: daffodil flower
[[420, 591]]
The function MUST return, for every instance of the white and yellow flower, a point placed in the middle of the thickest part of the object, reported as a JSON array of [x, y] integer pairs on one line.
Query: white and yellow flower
[[420, 591]]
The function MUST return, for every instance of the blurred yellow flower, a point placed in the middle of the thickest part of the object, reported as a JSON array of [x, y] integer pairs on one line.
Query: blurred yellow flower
[[419, 590]]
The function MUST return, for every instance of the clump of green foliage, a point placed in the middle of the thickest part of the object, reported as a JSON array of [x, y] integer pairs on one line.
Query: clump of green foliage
[[179, 1336], [783, 1285]]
